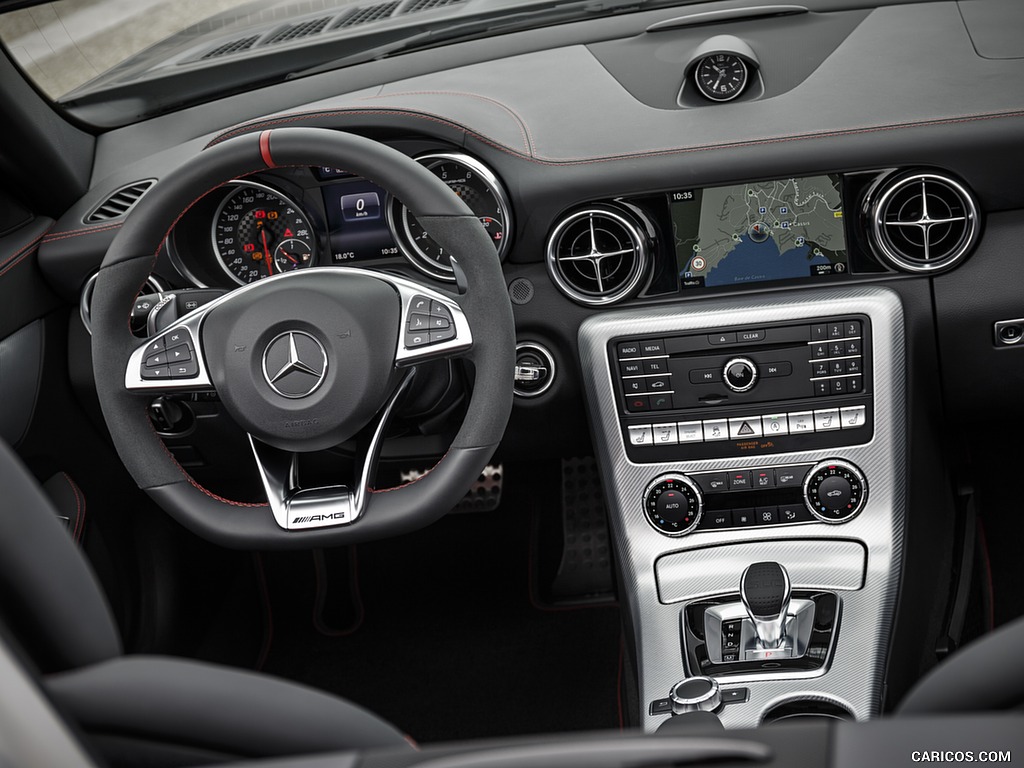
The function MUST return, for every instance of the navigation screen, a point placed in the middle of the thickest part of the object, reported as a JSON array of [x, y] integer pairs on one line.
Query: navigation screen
[[766, 230]]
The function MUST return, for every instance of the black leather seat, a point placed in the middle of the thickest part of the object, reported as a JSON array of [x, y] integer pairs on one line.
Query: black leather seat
[[146, 709], [984, 676]]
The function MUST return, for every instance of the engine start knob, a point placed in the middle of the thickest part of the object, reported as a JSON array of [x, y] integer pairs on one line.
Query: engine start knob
[[835, 491], [740, 374], [673, 504]]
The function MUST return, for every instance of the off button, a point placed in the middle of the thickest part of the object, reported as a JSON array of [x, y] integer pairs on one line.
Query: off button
[[740, 374]]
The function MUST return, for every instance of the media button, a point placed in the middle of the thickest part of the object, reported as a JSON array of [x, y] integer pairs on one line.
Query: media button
[[652, 348]]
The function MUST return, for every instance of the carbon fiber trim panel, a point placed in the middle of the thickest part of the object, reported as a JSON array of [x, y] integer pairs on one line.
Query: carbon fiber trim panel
[[855, 678]]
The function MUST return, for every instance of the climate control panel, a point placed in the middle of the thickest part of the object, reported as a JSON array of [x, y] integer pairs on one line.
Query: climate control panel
[[832, 491]]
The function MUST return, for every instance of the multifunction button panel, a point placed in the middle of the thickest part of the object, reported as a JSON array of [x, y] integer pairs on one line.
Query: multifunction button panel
[[171, 356], [430, 322], [727, 392]]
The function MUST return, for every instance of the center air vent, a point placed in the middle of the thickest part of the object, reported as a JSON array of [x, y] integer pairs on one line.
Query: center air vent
[[598, 255], [923, 222], [119, 203]]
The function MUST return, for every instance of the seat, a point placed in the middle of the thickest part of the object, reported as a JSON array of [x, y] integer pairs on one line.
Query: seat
[[146, 709], [986, 675]]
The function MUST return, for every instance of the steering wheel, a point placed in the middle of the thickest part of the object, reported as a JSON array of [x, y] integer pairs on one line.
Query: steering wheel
[[308, 359]]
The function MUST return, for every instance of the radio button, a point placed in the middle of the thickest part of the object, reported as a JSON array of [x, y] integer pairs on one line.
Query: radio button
[[716, 429], [775, 424], [801, 422], [641, 435], [744, 429], [629, 349], [827, 420], [690, 432]]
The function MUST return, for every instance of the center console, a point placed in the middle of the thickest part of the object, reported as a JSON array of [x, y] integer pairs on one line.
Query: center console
[[752, 452]]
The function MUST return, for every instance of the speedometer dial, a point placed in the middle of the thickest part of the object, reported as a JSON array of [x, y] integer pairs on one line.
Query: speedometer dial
[[258, 232], [479, 188]]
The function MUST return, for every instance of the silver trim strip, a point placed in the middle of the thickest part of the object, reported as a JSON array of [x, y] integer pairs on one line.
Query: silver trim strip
[[812, 563]]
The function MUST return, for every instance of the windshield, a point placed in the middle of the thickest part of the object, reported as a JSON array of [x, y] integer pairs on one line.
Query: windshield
[[110, 62], [64, 45]]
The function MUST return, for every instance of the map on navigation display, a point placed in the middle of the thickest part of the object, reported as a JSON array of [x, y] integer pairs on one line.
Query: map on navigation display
[[766, 230]]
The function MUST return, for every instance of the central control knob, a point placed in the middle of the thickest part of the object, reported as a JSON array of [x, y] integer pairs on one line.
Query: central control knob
[[673, 504], [695, 694], [835, 491], [740, 374]]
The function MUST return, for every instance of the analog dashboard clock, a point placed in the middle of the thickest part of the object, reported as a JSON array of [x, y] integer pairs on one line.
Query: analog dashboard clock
[[721, 76]]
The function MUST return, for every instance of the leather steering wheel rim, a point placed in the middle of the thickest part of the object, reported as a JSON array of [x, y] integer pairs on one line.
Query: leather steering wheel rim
[[486, 305]]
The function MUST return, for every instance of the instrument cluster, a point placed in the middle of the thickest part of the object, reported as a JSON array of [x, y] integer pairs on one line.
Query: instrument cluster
[[290, 219]]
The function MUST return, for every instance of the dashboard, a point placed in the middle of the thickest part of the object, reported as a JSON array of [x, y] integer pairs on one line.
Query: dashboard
[[821, 225]]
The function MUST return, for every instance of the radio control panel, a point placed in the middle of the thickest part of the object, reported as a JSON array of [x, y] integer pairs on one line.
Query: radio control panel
[[765, 389]]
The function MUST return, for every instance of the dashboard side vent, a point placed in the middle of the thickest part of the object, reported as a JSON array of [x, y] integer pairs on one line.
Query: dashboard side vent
[[235, 46], [598, 255], [120, 203], [298, 31], [366, 14], [923, 222]]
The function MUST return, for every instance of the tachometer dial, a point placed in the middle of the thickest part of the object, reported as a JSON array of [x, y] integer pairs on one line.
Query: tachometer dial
[[479, 188], [258, 232], [721, 76]]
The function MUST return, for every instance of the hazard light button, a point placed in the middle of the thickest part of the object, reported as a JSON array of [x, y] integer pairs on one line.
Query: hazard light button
[[745, 428]]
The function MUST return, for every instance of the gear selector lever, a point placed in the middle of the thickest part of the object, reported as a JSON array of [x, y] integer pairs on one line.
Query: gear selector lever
[[765, 591]]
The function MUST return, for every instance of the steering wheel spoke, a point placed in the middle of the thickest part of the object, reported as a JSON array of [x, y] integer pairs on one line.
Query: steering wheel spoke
[[297, 508]]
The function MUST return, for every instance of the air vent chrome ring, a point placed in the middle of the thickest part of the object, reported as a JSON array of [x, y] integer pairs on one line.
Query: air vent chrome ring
[[598, 255], [923, 222]]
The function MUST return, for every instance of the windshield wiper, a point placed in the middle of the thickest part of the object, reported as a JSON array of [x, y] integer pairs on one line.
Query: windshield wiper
[[480, 27]]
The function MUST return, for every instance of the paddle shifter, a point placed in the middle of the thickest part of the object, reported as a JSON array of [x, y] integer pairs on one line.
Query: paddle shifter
[[765, 592]]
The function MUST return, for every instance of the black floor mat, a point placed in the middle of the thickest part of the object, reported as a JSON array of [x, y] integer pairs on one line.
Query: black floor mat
[[450, 645]]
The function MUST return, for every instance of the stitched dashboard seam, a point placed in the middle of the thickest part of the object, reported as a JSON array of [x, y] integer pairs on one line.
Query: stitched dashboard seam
[[76, 534], [669, 151], [69, 233], [20, 255]]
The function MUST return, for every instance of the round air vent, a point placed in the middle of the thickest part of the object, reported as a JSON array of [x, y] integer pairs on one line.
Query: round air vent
[[598, 255], [923, 222]]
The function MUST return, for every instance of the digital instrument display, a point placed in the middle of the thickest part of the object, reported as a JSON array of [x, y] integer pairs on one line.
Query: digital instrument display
[[357, 219], [767, 230]]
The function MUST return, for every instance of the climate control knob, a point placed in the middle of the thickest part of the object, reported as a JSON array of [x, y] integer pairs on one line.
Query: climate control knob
[[835, 491], [673, 504]]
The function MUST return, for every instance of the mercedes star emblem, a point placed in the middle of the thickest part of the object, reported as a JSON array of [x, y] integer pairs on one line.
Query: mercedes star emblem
[[294, 364]]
